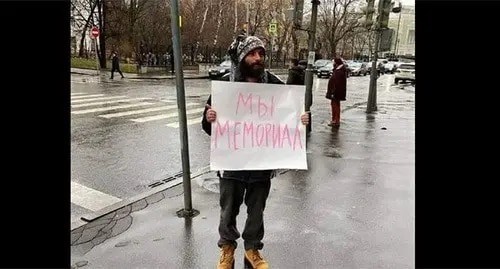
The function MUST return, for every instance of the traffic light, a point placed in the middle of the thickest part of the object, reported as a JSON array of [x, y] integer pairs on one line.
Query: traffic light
[[396, 7], [384, 9], [368, 10]]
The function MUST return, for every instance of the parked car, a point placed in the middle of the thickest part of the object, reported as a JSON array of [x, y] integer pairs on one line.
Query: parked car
[[389, 67], [369, 67], [325, 71], [220, 70], [357, 69], [405, 72], [320, 63]]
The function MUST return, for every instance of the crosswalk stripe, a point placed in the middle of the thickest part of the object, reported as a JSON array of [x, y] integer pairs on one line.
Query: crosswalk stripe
[[77, 93], [89, 198], [141, 111], [108, 102], [189, 122], [168, 115], [109, 108], [96, 99], [85, 96]]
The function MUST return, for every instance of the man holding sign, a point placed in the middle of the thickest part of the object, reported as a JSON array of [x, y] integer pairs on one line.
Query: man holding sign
[[255, 122]]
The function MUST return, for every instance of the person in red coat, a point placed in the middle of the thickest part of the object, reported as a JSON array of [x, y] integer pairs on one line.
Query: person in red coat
[[336, 92]]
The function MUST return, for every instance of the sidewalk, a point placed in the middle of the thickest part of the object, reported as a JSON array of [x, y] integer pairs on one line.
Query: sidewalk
[[353, 207], [188, 74]]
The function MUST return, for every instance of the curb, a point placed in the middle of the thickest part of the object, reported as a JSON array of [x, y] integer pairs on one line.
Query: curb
[[89, 218], [149, 77]]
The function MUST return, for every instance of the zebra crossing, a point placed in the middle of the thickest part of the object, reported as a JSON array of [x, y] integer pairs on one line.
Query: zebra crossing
[[137, 110]]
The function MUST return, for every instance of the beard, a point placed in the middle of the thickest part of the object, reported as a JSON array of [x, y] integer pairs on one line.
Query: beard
[[254, 70]]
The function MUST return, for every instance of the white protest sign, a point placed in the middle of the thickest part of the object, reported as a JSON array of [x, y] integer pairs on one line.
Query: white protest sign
[[258, 126]]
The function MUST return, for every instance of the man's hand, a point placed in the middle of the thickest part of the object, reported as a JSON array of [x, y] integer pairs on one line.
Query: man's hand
[[305, 118], [211, 114]]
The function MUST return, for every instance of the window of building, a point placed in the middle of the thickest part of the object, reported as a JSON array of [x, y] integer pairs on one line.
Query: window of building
[[411, 37]]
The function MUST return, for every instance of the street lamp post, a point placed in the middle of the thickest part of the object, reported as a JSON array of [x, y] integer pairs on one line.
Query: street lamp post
[[310, 62], [397, 33]]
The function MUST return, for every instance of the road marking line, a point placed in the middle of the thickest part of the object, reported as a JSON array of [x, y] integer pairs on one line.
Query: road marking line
[[109, 102], [133, 112], [89, 198], [166, 116], [77, 93], [85, 96], [109, 108], [97, 99], [141, 111], [189, 122]]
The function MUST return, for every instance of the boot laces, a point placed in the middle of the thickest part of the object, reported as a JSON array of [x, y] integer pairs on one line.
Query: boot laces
[[255, 255], [225, 255]]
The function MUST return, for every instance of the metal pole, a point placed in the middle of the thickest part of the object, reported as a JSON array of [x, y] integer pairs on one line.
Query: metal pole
[[397, 33], [271, 54], [188, 211], [372, 92], [310, 61], [96, 56]]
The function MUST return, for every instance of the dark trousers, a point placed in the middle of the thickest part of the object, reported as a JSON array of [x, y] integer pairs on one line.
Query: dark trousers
[[232, 194], [116, 69]]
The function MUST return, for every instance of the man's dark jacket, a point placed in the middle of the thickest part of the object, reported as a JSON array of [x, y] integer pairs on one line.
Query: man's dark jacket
[[115, 63], [243, 175], [296, 75]]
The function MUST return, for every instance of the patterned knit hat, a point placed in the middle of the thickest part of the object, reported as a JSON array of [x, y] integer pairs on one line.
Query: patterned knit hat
[[247, 45]]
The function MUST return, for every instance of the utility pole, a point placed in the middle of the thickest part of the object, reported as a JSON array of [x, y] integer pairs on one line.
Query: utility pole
[[397, 34], [310, 62], [372, 90], [188, 210], [384, 9]]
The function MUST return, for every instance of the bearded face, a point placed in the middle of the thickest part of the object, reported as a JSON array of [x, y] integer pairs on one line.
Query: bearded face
[[253, 64]]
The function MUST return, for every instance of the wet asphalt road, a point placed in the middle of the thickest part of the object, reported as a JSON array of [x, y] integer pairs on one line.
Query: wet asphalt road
[[120, 155], [353, 208]]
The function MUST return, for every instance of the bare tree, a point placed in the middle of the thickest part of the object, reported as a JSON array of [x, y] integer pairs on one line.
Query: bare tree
[[336, 19], [219, 22], [83, 11]]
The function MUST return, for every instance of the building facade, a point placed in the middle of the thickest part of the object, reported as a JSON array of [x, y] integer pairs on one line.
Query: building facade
[[403, 23]]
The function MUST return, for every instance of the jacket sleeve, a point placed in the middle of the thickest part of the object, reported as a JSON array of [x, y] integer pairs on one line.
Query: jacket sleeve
[[207, 126], [291, 78], [330, 89]]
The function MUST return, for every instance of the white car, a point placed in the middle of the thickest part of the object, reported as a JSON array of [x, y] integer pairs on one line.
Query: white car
[[405, 72]]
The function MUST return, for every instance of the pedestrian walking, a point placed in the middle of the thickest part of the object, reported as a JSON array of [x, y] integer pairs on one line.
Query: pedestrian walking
[[336, 91], [253, 186], [115, 65], [172, 61], [296, 73]]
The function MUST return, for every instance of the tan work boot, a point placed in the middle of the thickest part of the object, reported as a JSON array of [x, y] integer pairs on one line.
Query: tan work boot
[[226, 260], [254, 259]]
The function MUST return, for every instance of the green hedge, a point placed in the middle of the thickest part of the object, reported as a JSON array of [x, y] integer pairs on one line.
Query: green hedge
[[91, 64]]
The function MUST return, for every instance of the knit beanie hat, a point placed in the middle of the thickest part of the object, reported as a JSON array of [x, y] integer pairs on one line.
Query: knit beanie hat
[[247, 45]]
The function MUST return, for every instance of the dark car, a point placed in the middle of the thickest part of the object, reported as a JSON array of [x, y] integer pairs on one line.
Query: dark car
[[326, 70], [220, 70], [357, 69]]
